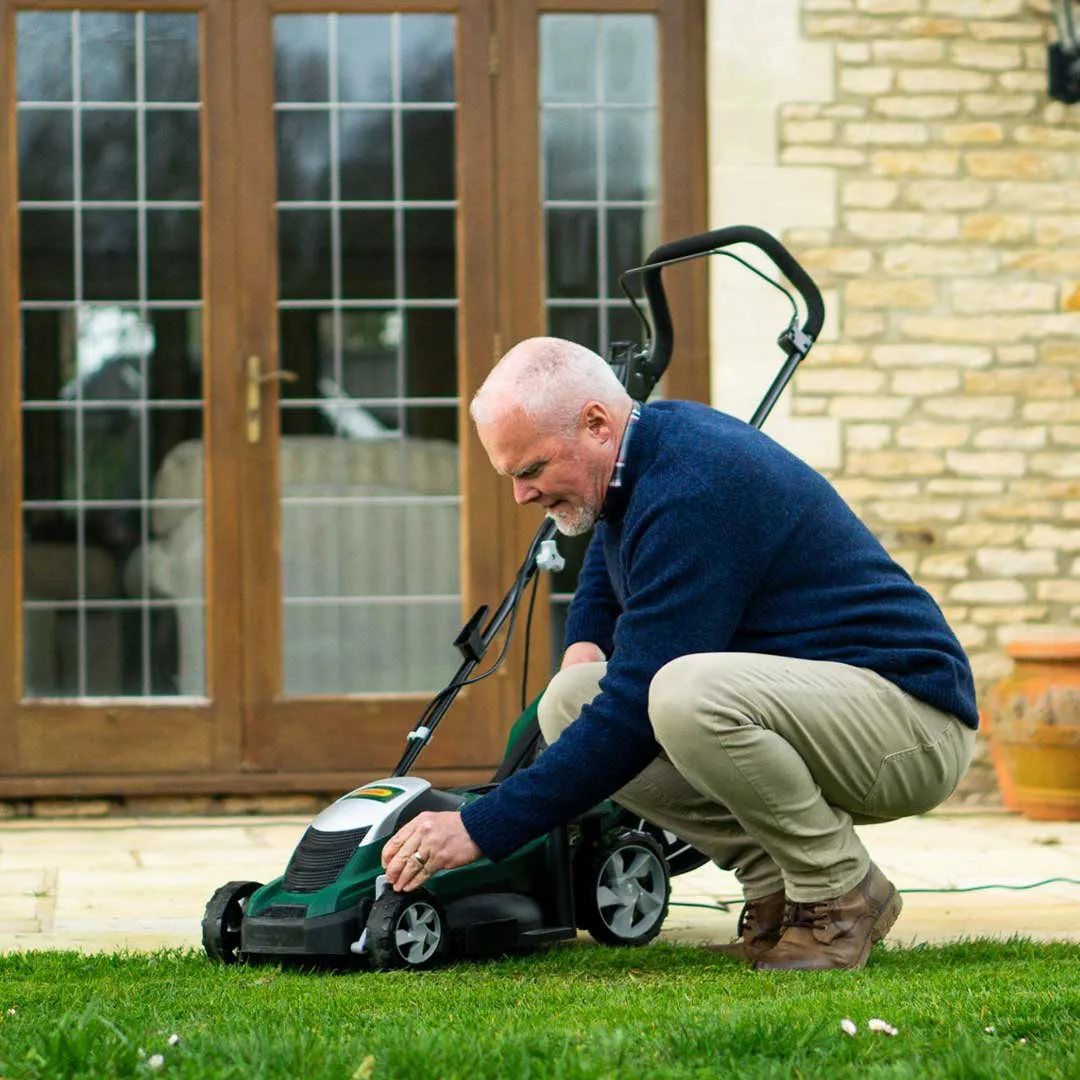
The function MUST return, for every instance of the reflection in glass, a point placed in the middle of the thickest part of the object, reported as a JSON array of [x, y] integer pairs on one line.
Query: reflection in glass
[[108, 154], [303, 155], [630, 155], [45, 155], [570, 153], [367, 254], [568, 47], [43, 55], [431, 363], [107, 55], [628, 59], [571, 253], [365, 143], [172, 155], [427, 57], [47, 254], [173, 257], [430, 254], [48, 353], [363, 43], [171, 57], [301, 58], [110, 254], [427, 148], [304, 266]]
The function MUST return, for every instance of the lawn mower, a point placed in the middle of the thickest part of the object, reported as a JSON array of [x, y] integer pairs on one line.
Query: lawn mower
[[606, 872]]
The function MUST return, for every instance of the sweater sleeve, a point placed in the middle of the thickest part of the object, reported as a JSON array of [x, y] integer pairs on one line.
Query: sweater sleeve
[[665, 617], [594, 609]]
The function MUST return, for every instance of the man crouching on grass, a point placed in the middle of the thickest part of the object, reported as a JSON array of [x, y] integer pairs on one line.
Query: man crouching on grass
[[745, 665]]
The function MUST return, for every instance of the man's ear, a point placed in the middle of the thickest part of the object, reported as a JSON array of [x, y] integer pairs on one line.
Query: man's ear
[[597, 421]]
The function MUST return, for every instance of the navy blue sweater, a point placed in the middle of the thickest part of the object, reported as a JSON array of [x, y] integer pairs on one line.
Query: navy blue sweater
[[718, 540]]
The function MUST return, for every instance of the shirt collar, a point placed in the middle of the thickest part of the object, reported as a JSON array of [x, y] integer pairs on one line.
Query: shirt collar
[[616, 497]]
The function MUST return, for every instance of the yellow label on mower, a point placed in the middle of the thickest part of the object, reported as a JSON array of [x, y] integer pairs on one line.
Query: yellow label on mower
[[380, 793]]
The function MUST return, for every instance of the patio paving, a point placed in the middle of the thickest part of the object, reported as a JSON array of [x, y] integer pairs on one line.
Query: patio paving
[[142, 883]]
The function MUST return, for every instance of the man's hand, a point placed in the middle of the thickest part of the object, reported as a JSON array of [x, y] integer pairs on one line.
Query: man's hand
[[432, 841], [582, 652]]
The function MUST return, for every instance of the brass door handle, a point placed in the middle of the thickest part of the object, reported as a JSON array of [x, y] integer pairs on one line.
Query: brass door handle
[[253, 401]]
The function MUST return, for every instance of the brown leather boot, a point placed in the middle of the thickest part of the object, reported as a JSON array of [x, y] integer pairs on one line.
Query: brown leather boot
[[838, 932], [760, 923]]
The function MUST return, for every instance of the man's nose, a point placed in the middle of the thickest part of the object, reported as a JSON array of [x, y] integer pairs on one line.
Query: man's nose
[[524, 492]]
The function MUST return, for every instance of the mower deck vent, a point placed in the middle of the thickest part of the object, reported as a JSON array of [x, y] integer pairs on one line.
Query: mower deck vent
[[285, 911], [319, 859]]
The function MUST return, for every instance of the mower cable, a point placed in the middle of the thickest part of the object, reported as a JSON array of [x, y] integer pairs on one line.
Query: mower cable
[[528, 635]]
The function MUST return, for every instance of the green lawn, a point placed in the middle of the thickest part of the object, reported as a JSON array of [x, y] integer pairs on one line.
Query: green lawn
[[973, 1010]]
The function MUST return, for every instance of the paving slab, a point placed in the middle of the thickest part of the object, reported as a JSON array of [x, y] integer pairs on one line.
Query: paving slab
[[142, 883]]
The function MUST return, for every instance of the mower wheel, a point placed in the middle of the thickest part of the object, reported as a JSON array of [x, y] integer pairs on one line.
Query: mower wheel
[[406, 930], [222, 918], [621, 889], [681, 857]]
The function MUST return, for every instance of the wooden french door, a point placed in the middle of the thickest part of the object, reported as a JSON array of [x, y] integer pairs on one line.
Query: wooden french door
[[255, 258]]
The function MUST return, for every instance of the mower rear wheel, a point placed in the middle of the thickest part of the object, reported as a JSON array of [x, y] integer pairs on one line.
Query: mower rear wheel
[[222, 918], [406, 930], [681, 857], [622, 887]]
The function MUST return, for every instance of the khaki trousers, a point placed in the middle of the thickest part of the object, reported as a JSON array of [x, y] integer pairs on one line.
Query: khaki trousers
[[767, 763]]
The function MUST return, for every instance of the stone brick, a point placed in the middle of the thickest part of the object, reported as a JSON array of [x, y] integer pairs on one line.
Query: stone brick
[[918, 510], [976, 9], [1054, 464], [836, 156], [964, 488], [844, 407], [1018, 165], [924, 382], [818, 380], [1047, 198], [1014, 355], [1058, 229], [948, 194], [942, 80], [866, 80], [1062, 412], [951, 565], [1051, 536], [1064, 590], [1017, 510], [896, 463], [966, 134], [973, 297], [924, 354], [838, 353], [883, 133], [1008, 562], [1065, 434], [867, 436], [1000, 616], [987, 57], [1001, 105], [886, 225], [72, 808], [986, 463], [908, 51], [1006, 31], [932, 436], [965, 408], [988, 592], [1023, 382], [846, 110], [852, 52], [1044, 261], [996, 228], [271, 804], [801, 110], [970, 637], [863, 324], [804, 405], [170, 805], [1011, 438], [1054, 137], [916, 27], [809, 131], [891, 293], [1065, 353], [1070, 294], [930, 162], [916, 108], [889, 7], [859, 489], [989, 668], [1042, 487], [828, 5], [977, 534], [939, 261], [841, 26], [1024, 80], [869, 194], [911, 538], [836, 260]]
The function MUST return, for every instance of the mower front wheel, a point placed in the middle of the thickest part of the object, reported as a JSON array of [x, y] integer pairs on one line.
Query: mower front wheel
[[222, 918], [406, 930], [621, 890]]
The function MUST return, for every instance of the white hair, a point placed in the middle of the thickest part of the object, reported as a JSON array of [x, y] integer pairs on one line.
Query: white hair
[[549, 379]]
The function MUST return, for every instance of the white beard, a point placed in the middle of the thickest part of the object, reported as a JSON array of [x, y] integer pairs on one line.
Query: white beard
[[575, 522]]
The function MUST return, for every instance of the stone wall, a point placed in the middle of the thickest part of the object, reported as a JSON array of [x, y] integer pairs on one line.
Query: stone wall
[[951, 264]]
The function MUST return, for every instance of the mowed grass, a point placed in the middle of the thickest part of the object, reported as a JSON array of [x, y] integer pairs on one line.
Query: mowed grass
[[970, 1010]]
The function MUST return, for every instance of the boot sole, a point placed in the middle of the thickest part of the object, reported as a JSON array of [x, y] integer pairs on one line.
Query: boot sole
[[883, 924]]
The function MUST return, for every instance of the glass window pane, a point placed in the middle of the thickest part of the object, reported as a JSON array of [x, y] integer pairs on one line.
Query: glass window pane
[[107, 55], [110, 255], [580, 324], [630, 155], [304, 265], [171, 56], [174, 368], [628, 56], [570, 154], [301, 58], [303, 155], [427, 57], [46, 158], [174, 256], [365, 146], [428, 154], [167, 427], [572, 253], [624, 325], [48, 354], [367, 254], [363, 43], [431, 364], [47, 254], [430, 254], [568, 58], [43, 55], [625, 247], [172, 155], [48, 463], [370, 344], [108, 154]]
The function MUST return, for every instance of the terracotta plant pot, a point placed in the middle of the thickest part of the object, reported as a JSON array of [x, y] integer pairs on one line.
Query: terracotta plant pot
[[1035, 729]]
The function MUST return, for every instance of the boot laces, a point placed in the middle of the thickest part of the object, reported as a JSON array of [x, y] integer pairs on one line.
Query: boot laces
[[807, 916]]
